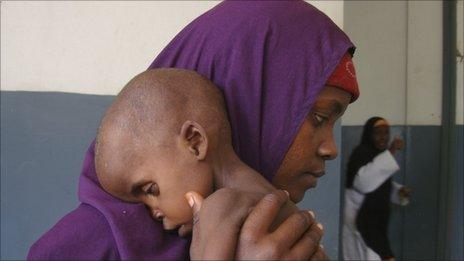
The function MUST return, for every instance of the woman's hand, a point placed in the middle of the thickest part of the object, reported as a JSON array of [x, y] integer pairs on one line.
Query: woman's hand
[[297, 238], [404, 193], [216, 223], [230, 225]]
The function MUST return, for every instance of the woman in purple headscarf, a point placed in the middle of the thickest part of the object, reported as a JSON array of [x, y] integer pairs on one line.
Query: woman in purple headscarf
[[274, 62]]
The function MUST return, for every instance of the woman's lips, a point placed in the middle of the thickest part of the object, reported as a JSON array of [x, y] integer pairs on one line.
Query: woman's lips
[[317, 174], [310, 178]]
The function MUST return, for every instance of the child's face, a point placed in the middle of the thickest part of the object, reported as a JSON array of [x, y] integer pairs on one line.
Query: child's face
[[160, 181]]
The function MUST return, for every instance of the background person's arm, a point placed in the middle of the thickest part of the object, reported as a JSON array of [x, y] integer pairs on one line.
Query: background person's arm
[[373, 174], [383, 166], [400, 194]]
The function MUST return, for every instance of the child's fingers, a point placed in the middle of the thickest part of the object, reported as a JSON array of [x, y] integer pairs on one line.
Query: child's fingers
[[195, 201]]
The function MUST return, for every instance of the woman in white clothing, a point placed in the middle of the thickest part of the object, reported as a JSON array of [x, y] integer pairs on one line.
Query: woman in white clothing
[[369, 191]]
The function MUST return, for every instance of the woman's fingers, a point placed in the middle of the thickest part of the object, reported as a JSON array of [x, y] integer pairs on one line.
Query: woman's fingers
[[264, 213], [308, 245], [319, 255], [293, 228], [217, 224]]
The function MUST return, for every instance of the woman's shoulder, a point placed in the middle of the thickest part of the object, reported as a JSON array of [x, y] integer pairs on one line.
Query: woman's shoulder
[[84, 233]]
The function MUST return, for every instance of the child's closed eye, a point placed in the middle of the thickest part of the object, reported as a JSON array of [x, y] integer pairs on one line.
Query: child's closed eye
[[151, 189]]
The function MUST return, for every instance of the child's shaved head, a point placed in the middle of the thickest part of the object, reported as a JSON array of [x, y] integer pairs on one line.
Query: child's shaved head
[[149, 113]]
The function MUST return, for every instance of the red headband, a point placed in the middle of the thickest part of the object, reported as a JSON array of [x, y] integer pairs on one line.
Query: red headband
[[344, 77]]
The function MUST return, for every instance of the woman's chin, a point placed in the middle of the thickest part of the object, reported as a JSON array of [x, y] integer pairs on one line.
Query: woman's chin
[[297, 196]]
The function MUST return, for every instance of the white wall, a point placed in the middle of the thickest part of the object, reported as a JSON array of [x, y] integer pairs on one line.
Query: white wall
[[398, 61], [86, 47], [459, 64], [93, 47], [424, 63], [333, 9]]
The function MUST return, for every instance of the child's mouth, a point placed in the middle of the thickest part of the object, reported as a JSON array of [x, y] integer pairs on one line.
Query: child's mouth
[[185, 230], [182, 230]]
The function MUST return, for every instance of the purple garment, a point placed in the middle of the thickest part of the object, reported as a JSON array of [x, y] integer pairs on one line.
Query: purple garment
[[105, 228], [270, 59]]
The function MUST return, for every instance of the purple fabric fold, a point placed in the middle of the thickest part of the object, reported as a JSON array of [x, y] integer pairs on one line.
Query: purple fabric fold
[[270, 59], [136, 234]]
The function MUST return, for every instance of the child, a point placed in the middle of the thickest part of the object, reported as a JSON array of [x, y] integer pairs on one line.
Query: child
[[167, 134]]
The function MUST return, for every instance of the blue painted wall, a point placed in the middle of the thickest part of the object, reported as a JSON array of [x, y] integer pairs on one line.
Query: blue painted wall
[[456, 227], [43, 140], [325, 201]]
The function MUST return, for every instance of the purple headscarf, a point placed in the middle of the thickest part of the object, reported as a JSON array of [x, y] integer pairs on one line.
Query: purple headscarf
[[270, 59]]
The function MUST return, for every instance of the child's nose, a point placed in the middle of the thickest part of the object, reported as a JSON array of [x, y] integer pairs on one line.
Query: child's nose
[[158, 215]]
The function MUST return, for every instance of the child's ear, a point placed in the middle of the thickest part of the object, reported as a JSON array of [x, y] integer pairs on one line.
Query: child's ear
[[194, 135]]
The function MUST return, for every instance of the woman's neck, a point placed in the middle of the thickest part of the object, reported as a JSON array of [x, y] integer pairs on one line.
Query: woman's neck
[[231, 172]]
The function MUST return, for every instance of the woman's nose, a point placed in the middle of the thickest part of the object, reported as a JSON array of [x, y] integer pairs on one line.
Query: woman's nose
[[328, 148]]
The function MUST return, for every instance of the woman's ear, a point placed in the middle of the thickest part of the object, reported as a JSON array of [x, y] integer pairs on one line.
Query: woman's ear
[[194, 136]]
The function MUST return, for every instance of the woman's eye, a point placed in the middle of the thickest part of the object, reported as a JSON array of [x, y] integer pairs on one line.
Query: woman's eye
[[319, 119]]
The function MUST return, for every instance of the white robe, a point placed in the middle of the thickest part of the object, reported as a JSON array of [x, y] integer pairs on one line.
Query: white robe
[[368, 179]]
